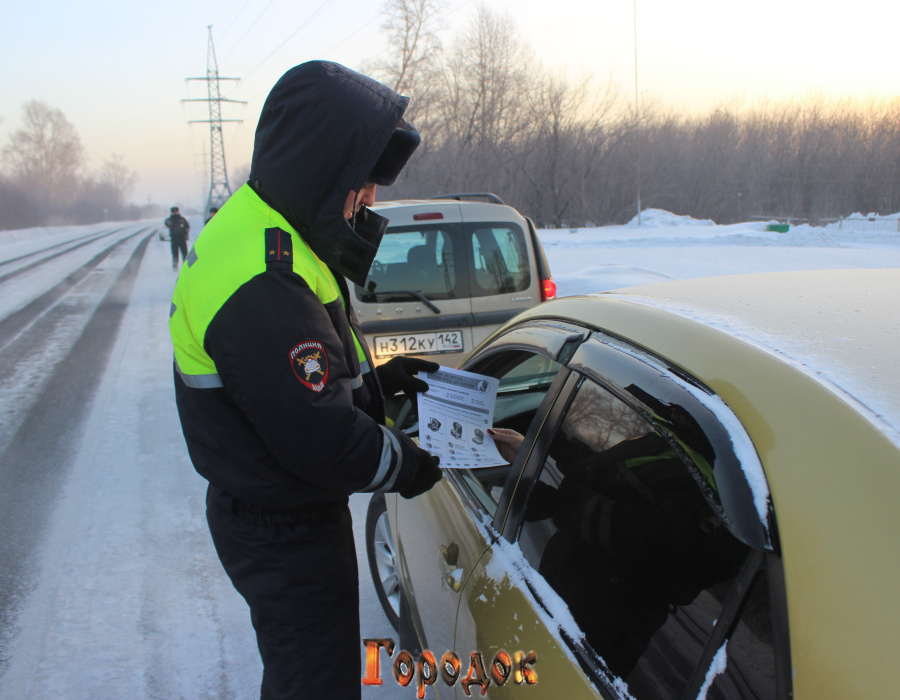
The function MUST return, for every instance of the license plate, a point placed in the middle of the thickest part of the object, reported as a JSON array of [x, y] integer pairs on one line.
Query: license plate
[[418, 343]]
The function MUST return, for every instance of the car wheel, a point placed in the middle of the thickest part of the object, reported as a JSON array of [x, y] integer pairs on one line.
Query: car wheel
[[383, 559]]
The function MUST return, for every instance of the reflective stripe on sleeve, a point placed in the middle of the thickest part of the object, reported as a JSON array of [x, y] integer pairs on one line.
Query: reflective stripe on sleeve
[[357, 381], [200, 381], [389, 467]]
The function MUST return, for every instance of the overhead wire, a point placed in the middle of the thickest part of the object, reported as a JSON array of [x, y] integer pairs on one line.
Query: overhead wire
[[291, 36], [385, 49], [240, 12], [353, 34], [247, 31], [347, 38]]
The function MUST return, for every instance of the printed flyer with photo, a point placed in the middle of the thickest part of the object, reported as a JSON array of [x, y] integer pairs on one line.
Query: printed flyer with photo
[[454, 416]]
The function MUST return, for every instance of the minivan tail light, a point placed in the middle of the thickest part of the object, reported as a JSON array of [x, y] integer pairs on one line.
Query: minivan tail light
[[548, 289], [428, 216]]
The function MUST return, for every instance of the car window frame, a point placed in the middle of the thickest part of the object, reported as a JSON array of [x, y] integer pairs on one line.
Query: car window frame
[[626, 363], [633, 373], [467, 240], [553, 339]]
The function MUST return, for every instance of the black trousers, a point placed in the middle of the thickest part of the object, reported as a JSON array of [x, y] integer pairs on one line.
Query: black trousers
[[179, 243], [297, 571]]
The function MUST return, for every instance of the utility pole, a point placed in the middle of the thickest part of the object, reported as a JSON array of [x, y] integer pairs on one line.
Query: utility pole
[[219, 189], [637, 113]]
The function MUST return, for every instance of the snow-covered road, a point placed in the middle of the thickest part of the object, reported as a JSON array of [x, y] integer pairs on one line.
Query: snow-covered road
[[109, 585]]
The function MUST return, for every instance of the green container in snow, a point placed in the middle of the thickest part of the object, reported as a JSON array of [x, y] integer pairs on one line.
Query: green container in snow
[[778, 228]]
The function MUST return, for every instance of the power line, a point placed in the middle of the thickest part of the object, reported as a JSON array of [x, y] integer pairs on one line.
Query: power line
[[387, 48], [240, 12], [252, 24], [292, 35], [347, 38], [353, 34]]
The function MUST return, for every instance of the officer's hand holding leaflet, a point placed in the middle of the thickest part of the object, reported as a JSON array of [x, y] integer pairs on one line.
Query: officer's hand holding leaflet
[[428, 473], [398, 374]]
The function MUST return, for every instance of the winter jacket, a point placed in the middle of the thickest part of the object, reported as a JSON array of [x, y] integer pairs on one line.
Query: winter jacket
[[274, 384], [178, 226]]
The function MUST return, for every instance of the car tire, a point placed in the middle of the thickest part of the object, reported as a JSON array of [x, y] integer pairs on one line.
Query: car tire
[[383, 559]]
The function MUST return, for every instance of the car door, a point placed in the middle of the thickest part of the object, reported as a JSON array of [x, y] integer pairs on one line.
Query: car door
[[504, 277], [633, 558], [441, 535]]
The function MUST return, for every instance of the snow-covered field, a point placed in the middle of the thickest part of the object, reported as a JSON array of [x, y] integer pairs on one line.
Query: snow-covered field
[[126, 598], [667, 246]]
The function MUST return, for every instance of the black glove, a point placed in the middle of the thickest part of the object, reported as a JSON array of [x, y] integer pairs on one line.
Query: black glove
[[428, 473], [397, 375]]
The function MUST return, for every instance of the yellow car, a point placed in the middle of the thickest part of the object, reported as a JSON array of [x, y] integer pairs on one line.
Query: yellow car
[[704, 505]]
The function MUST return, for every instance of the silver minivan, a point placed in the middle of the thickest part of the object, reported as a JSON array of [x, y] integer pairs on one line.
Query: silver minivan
[[448, 272]]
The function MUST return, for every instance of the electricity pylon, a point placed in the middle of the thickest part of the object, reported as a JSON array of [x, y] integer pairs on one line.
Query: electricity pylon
[[219, 189]]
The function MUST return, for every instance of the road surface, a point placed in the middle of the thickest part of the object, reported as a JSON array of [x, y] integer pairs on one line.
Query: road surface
[[109, 585]]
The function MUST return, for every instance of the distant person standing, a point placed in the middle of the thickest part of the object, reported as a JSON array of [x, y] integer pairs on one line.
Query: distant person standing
[[179, 228], [212, 213]]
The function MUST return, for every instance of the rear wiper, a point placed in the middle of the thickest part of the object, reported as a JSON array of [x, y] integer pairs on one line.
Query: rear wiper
[[409, 293]]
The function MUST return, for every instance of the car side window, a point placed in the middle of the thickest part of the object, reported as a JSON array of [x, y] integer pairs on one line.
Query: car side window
[[618, 525], [525, 377], [749, 655], [500, 260], [419, 259]]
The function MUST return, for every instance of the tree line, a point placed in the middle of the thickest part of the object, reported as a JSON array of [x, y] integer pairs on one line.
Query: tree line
[[565, 151], [45, 182], [570, 152]]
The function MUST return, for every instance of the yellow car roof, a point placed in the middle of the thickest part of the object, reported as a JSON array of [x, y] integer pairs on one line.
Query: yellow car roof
[[840, 327]]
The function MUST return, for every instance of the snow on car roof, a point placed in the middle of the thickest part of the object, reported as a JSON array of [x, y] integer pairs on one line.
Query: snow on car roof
[[841, 327]]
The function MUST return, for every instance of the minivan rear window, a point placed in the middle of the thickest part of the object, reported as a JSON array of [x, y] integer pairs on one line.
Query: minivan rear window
[[500, 260], [419, 259]]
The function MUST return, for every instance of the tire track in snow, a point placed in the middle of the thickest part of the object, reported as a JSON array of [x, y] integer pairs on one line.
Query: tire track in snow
[[75, 244], [34, 465], [18, 320]]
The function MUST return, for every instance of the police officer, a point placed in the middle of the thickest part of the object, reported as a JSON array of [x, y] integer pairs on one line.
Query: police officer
[[179, 229], [280, 407]]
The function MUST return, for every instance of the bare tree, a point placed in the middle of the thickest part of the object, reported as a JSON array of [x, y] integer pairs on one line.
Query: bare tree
[[413, 43], [46, 153], [490, 69], [120, 179], [563, 151], [567, 141]]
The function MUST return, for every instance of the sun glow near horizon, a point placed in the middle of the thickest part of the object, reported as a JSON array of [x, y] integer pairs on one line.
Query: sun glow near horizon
[[119, 77]]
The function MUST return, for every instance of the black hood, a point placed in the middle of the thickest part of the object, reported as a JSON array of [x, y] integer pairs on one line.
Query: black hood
[[321, 133]]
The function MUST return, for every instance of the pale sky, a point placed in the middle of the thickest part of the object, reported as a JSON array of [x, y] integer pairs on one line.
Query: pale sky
[[117, 68]]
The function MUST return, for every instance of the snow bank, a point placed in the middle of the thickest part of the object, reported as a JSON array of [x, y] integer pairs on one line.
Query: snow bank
[[660, 217]]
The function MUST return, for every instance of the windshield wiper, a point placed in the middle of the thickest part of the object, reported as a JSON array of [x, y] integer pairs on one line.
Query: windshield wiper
[[409, 293]]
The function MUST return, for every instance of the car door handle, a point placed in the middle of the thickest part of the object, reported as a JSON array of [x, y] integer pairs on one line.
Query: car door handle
[[453, 575], [450, 553], [454, 579]]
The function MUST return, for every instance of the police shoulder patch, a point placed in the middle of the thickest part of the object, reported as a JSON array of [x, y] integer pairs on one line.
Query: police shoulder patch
[[310, 364]]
